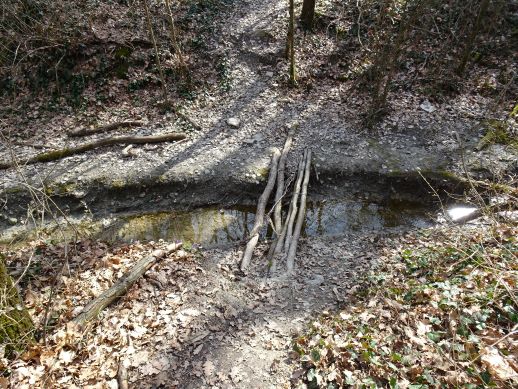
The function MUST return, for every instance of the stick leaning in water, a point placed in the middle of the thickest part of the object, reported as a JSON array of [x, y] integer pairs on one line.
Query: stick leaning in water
[[55, 155], [290, 261], [277, 220], [277, 245], [259, 215], [121, 286]]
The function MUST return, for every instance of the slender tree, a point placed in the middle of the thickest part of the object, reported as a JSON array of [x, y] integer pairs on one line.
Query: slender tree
[[174, 39], [155, 45], [307, 16], [291, 44]]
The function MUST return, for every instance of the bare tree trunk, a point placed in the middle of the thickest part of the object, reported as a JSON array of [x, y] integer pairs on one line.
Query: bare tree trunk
[[387, 60], [157, 54], [291, 44], [472, 36], [259, 216], [16, 327], [307, 16]]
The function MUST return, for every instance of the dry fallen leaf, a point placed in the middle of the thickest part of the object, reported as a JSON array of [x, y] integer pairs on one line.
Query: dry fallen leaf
[[497, 365]]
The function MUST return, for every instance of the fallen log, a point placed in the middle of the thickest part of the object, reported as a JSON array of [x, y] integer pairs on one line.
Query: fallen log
[[290, 260], [92, 309], [277, 211], [106, 128], [259, 216], [55, 155]]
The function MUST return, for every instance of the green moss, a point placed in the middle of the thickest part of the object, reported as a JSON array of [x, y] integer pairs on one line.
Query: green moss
[[52, 155], [60, 188], [498, 132], [263, 172], [118, 183], [16, 327]]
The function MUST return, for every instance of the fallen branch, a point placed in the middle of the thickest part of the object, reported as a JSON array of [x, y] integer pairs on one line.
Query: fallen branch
[[55, 155], [92, 310], [290, 260], [294, 201], [277, 245], [277, 219], [106, 128], [259, 216]]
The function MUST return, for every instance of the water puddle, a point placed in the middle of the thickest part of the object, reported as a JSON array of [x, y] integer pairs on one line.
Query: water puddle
[[212, 226], [215, 226]]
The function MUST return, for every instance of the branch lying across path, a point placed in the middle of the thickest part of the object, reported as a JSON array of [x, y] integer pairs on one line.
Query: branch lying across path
[[259, 216], [106, 128], [290, 260], [92, 310], [55, 155]]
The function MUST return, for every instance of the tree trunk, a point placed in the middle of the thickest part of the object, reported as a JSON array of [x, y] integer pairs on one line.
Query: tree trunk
[[16, 327], [291, 44], [307, 16]]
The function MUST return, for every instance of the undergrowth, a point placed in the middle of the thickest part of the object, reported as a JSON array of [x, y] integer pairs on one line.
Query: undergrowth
[[442, 312]]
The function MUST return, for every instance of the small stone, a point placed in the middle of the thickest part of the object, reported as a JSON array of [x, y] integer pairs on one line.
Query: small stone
[[233, 122], [316, 280], [12, 220], [427, 106], [269, 74]]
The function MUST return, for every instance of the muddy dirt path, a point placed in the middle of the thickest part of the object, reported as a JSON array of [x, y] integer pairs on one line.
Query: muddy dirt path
[[235, 331]]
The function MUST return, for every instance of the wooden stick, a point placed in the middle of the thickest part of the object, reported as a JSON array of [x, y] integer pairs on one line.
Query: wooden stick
[[122, 376], [106, 128], [277, 219], [294, 200], [290, 261], [259, 216], [55, 155], [278, 244], [92, 310]]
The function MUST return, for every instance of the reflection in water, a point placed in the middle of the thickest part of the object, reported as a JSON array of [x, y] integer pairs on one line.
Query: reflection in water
[[457, 213], [212, 226]]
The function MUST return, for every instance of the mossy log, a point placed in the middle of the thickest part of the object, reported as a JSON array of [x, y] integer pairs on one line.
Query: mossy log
[[16, 327], [119, 289], [55, 155]]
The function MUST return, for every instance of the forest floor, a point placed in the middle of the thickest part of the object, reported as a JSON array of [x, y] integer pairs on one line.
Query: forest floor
[[193, 321]]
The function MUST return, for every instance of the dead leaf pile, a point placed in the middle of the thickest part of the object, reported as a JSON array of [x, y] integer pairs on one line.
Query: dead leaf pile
[[440, 312]]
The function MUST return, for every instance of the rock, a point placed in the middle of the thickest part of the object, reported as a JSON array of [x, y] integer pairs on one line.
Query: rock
[[12, 220], [427, 106], [318, 279], [233, 122], [269, 74]]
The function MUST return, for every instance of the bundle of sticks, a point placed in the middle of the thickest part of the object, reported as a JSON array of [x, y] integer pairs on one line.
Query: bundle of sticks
[[287, 231]]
